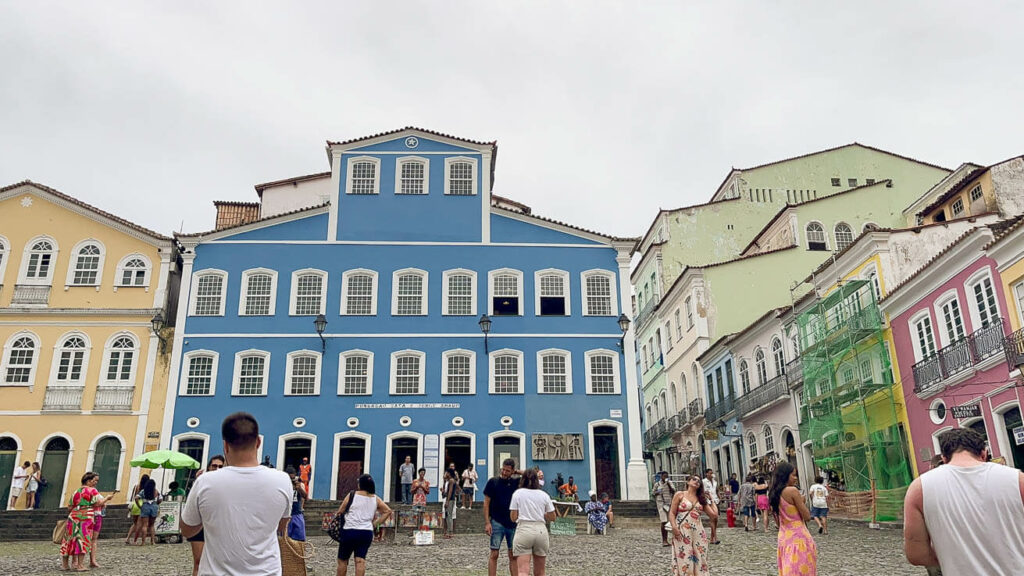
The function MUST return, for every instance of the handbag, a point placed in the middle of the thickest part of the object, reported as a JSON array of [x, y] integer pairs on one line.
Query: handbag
[[60, 531], [337, 523], [294, 556]]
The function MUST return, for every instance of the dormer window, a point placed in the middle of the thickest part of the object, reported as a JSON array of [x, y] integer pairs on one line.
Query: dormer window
[[816, 237], [363, 175], [412, 176], [460, 176]]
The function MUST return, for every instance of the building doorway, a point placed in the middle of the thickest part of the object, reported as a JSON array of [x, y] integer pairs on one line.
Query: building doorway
[[8, 460], [55, 465], [457, 449], [979, 427], [194, 448], [790, 443], [606, 461], [1012, 418], [400, 448], [106, 462], [351, 455], [295, 449], [506, 447]]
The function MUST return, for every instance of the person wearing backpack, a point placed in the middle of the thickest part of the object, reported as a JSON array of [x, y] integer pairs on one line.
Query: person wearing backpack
[[819, 504]]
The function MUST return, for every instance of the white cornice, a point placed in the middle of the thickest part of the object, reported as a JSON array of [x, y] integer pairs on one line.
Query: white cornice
[[80, 311], [1008, 250], [87, 213], [362, 143], [937, 273]]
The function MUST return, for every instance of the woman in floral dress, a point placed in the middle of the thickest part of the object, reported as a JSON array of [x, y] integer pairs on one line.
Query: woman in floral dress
[[79, 531], [798, 553], [596, 514], [689, 541]]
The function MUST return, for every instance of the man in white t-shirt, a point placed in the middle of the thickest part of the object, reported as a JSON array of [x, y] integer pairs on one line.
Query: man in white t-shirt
[[18, 483], [819, 504], [242, 508]]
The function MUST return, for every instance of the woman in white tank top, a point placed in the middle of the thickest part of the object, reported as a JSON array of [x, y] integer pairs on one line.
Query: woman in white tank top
[[360, 524]]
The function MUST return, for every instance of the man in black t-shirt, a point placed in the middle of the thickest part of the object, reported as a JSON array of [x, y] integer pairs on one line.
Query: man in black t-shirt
[[498, 522]]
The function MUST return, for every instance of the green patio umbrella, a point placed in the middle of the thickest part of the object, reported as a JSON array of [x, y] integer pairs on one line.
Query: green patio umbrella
[[166, 459]]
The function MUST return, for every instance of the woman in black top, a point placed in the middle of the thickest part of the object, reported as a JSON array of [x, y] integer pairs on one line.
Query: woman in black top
[[761, 493]]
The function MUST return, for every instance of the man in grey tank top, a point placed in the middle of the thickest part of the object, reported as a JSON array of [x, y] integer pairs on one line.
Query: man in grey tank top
[[966, 516]]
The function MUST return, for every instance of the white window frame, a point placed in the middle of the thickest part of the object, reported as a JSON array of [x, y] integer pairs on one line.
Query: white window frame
[[972, 303], [871, 276], [912, 323], [424, 275], [349, 169], [195, 290], [55, 361], [355, 353], [615, 371], [1018, 295], [761, 367], [780, 367], [519, 288], [688, 305], [108, 349], [952, 208], [769, 439], [612, 287], [236, 378], [679, 325], [26, 256], [185, 364], [981, 194], [146, 275], [668, 336], [945, 338], [37, 352], [566, 288], [752, 447], [73, 262], [393, 385], [374, 287], [398, 174], [289, 368], [444, 371], [5, 256], [540, 369], [743, 369], [807, 235], [293, 291], [445, 276], [448, 171], [243, 292], [521, 387], [835, 234]]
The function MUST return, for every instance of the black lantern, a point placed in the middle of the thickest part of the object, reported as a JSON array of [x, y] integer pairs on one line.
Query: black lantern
[[485, 327], [320, 323], [624, 326], [157, 324]]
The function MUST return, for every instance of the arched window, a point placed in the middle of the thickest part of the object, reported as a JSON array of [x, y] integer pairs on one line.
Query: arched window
[[356, 373], [744, 376], [778, 356], [412, 176], [303, 374], [87, 264], [769, 440], [552, 289], [20, 360], [409, 293], [752, 445], [506, 372], [359, 293], [555, 367], [602, 372], [460, 176], [71, 361], [816, 237], [407, 372], [38, 266], [459, 372], [844, 236], [309, 292], [657, 409], [208, 296], [121, 355], [650, 416], [598, 293], [200, 377], [4, 249], [133, 271], [259, 290], [106, 462], [251, 373], [362, 175], [760, 366], [459, 297]]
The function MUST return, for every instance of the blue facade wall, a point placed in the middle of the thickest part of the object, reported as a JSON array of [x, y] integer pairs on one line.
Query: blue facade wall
[[505, 229], [723, 382], [306, 228]]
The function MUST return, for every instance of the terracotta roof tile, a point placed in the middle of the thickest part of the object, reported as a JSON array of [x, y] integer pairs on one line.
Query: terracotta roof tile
[[396, 131], [89, 207], [560, 223], [199, 235], [953, 191], [809, 154], [261, 187]]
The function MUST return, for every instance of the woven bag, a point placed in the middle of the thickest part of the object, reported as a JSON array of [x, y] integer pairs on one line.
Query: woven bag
[[294, 556], [60, 531]]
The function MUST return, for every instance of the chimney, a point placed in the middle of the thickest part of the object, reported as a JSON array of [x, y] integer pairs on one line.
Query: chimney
[[236, 213]]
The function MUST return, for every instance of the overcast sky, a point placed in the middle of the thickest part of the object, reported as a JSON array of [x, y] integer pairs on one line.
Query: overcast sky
[[603, 112]]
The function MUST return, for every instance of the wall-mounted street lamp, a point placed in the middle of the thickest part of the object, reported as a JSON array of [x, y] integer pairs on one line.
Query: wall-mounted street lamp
[[157, 324], [485, 327], [320, 323], [624, 326]]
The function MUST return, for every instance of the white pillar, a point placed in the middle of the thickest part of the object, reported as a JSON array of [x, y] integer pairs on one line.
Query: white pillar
[[637, 487], [188, 255]]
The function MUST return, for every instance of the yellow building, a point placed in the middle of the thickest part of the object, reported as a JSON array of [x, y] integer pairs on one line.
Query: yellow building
[[1008, 252], [974, 190], [83, 375]]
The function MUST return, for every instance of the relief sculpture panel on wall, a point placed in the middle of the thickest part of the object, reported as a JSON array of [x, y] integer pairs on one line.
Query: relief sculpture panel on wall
[[557, 446]]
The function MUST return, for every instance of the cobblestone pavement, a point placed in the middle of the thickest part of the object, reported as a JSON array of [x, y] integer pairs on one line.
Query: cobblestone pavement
[[851, 549]]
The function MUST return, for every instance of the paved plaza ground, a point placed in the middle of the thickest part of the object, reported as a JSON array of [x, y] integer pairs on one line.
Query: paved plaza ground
[[851, 549]]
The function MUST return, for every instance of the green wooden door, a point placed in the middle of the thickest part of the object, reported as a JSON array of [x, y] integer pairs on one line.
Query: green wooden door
[[106, 461], [8, 460], [55, 465]]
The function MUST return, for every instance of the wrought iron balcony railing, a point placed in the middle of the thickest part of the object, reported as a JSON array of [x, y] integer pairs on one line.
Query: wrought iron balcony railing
[[795, 371], [718, 410], [63, 398], [1013, 345], [114, 398], [30, 295], [959, 356], [695, 409], [764, 395], [646, 313]]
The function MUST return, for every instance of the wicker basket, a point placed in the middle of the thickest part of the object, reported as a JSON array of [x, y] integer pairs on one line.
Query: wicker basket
[[293, 556]]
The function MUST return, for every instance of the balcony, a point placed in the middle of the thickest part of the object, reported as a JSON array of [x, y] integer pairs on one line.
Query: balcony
[[959, 357], [30, 295], [677, 422], [114, 398], [795, 371], [763, 396], [63, 398], [656, 432], [647, 312], [718, 410], [1013, 345], [695, 409]]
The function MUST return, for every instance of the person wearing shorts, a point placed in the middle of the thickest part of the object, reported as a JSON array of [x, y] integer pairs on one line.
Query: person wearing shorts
[[530, 509], [819, 504], [498, 522], [360, 524]]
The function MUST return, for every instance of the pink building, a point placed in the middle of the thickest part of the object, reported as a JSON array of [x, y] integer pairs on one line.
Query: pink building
[[948, 321]]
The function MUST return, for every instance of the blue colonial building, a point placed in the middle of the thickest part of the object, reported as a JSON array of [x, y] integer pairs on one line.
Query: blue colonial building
[[394, 307], [723, 449]]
